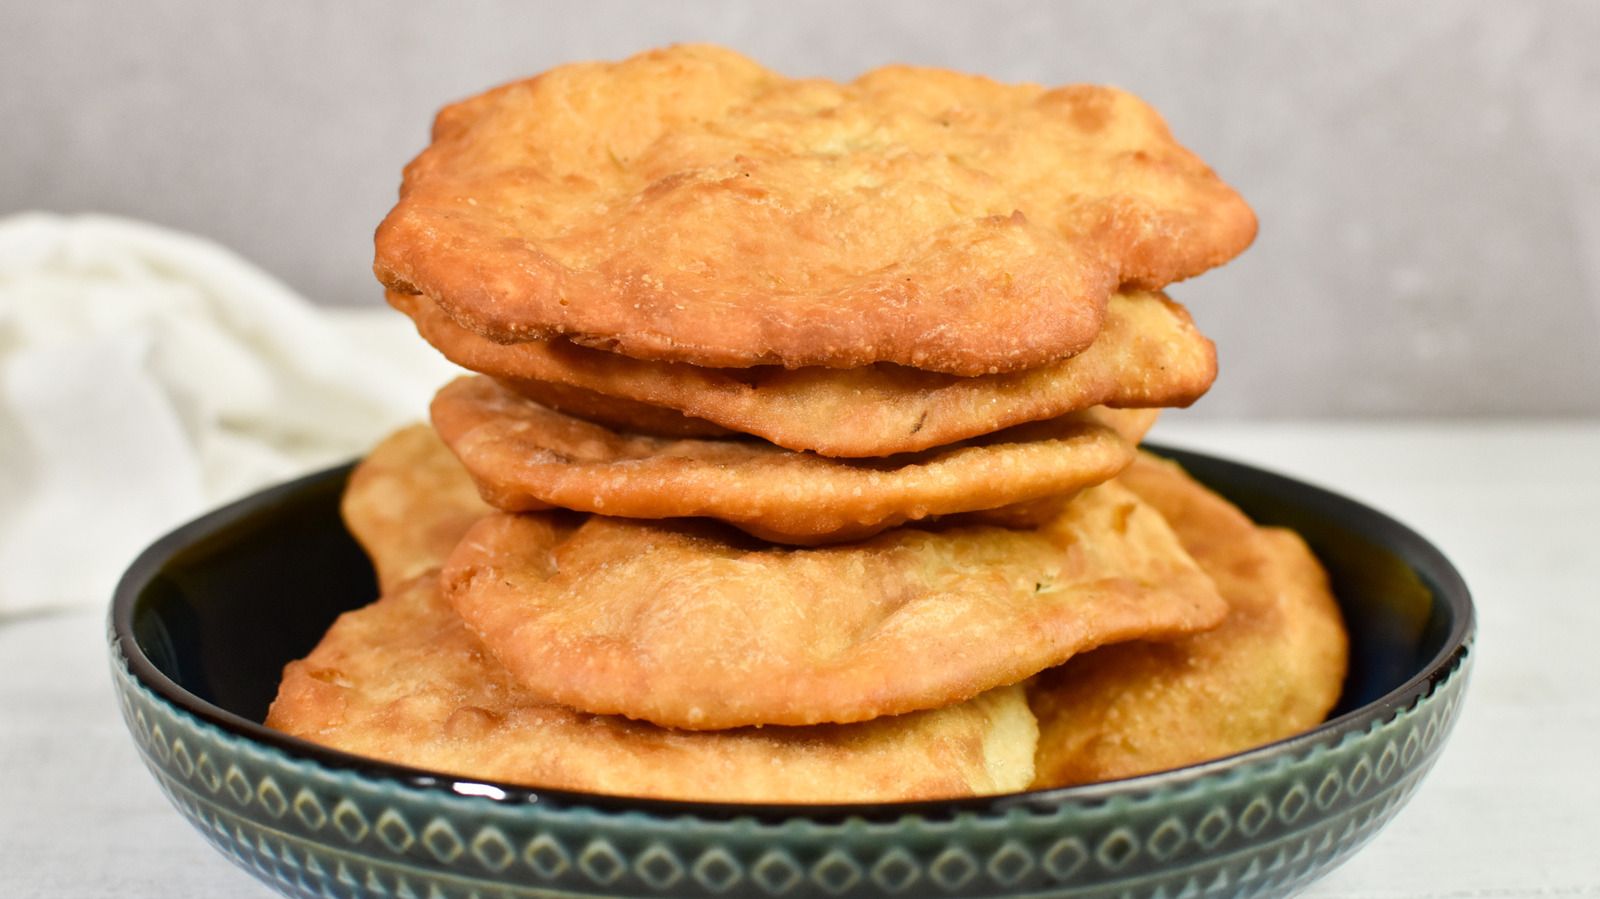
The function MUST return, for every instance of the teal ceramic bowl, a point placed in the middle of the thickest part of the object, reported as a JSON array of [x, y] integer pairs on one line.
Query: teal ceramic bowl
[[204, 621]]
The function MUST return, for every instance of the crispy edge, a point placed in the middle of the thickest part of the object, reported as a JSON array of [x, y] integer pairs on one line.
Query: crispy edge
[[1149, 355], [526, 457], [1273, 668], [616, 413]]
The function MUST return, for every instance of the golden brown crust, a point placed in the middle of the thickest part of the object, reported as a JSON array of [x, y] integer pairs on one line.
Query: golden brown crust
[[617, 413], [408, 503], [1150, 354], [689, 205], [403, 681], [657, 421], [699, 628], [1132, 424], [526, 457], [1272, 669]]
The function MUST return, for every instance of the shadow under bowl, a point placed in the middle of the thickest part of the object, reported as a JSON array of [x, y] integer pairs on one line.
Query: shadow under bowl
[[204, 621]]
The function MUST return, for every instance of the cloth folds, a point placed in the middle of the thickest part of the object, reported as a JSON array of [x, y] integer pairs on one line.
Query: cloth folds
[[147, 375]]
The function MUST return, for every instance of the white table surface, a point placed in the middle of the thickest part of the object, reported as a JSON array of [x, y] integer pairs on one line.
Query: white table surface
[[1512, 808]]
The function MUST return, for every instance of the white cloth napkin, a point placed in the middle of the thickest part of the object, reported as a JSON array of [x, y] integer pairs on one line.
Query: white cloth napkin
[[147, 375]]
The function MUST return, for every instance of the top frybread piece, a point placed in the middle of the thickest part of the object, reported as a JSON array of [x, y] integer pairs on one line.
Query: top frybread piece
[[689, 205]]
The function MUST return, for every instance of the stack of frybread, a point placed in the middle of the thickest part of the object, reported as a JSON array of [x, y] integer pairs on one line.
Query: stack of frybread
[[803, 454]]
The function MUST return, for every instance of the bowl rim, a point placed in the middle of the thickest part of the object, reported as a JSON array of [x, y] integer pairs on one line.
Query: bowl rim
[[1425, 559]]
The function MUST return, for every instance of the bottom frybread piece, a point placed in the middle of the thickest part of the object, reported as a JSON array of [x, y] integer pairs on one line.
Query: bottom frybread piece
[[698, 626], [402, 680], [527, 457], [1272, 669]]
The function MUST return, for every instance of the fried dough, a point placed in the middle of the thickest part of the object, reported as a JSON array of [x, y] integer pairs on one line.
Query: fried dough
[[1131, 424], [1149, 354], [408, 503], [1272, 669], [618, 413], [689, 205], [402, 680], [526, 457], [698, 627]]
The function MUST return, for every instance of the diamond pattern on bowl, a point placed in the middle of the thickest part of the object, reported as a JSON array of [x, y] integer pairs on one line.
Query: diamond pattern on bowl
[[546, 856], [776, 872], [717, 870], [896, 871], [658, 867], [1262, 830], [492, 850], [601, 862]]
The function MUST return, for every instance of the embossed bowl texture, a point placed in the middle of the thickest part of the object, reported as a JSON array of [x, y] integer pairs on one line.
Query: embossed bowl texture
[[205, 619]]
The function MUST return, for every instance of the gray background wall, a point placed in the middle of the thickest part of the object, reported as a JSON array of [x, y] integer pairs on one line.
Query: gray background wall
[[1427, 174]]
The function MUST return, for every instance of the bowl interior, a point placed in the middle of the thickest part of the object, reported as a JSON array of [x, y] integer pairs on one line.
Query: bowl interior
[[219, 606], [255, 588]]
